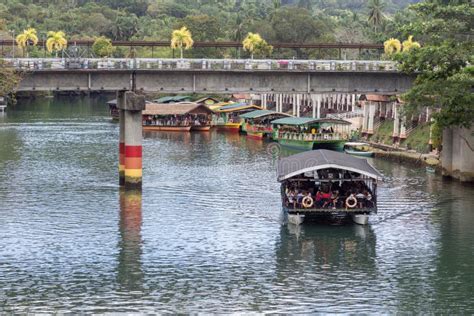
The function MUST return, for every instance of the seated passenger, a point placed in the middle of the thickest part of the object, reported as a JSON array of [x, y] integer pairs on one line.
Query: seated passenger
[[326, 198], [334, 198]]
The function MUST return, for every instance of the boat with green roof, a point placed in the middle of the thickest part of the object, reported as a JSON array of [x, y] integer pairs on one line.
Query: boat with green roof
[[306, 133], [258, 124]]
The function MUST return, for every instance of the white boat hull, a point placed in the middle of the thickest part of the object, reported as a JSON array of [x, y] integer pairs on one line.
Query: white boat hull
[[361, 219], [295, 219]]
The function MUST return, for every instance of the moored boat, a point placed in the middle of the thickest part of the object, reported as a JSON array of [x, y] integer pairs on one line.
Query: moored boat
[[228, 116], [305, 133], [176, 117], [257, 124], [357, 149], [327, 185]]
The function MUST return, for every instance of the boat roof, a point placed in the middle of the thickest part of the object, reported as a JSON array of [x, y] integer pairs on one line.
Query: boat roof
[[323, 159], [355, 144], [112, 102], [175, 109], [261, 113], [171, 99], [205, 99], [308, 120], [237, 107]]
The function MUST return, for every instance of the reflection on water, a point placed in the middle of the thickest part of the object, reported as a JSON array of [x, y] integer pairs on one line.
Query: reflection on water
[[206, 233], [130, 274]]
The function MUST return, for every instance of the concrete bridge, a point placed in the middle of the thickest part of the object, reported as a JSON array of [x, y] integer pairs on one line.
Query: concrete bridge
[[223, 76]]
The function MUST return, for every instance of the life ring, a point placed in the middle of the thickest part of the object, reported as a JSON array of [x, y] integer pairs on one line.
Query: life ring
[[307, 201], [348, 201]]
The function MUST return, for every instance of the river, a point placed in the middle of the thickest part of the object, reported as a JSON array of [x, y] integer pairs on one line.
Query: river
[[206, 234]]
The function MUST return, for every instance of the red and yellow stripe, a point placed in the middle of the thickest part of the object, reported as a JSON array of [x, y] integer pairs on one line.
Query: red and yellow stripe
[[133, 165]]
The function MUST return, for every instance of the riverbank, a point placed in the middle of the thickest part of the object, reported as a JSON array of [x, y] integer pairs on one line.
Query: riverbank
[[404, 156]]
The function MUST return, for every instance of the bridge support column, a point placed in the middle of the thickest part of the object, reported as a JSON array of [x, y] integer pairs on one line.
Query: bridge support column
[[365, 124], [403, 128], [298, 105], [121, 147], [370, 127], [396, 121], [132, 105]]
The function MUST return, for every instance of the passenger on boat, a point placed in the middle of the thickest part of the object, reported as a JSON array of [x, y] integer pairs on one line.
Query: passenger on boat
[[334, 199], [326, 196]]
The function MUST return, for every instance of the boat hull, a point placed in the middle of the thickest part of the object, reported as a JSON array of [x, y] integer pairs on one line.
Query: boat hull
[[167, 128], [255, 135], [359, 153], [296, 144], [229, 127], [201, 128]]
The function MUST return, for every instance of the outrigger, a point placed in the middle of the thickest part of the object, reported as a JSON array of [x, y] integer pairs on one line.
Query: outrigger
[[257, 124], [327, 185], [177, 117], [308, 133]]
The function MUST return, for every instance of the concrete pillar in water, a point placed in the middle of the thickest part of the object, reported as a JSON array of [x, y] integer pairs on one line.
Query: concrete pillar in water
[[313, 104], [132, 107], [318, 105], [353, 102], [457, 153], [120, 100]]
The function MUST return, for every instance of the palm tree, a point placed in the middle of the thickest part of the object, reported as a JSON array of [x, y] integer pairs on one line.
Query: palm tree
[[28, 37], [56, 42], [409, 44], [180, 38], [251, 43], [392, 46], [376, 15]]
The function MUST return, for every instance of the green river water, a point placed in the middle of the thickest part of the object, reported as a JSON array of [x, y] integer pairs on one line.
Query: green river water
[[208, 234]]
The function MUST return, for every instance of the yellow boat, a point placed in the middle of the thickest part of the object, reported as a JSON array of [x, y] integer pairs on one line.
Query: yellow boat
[[228, 116]]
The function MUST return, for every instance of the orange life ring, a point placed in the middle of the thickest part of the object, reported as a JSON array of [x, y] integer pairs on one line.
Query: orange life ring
[[307, 201], [348, 201]]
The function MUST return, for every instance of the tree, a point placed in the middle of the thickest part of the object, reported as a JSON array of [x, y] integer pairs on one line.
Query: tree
[[409, 44], [375, 14], [443, 64], [56, 42], [28, 37], [181, 38], [392, 46], [255, 44], [9, 78], [102, 47]]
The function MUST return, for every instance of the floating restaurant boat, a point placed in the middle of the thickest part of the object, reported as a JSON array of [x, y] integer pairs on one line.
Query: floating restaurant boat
[[228, 116], [309, 133], [327, 185], [257, 124], [178, 117], [357, 149]]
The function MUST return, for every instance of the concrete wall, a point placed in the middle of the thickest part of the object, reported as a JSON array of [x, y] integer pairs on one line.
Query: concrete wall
[[457, 156], [219, 81]]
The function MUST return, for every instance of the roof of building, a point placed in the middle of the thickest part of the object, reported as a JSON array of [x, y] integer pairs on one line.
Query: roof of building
[[172, 99], [375, 98], [175, 109], [308, 120], [261, 113], [112, 102], [237, 107], [206, 100], [313, 160], [241, 96]]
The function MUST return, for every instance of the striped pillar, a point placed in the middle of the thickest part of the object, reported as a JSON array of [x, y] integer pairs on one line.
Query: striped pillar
[[133, 149], [122, 148]]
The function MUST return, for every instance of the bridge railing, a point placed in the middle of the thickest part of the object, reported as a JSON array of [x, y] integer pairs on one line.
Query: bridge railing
[[200, 64]]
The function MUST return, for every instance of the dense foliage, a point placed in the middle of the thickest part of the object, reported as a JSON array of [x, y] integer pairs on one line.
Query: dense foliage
[[207, 20], [444, 62]]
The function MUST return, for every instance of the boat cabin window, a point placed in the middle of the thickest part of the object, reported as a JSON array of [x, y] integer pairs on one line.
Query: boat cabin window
[[330, 188]]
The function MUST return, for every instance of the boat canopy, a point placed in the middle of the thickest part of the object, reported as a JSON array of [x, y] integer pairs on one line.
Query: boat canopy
[[173, 99], [314, 160], [355, 144], [233, 107], [112, 102], [176, 109], [308, 121], [261, 113]]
